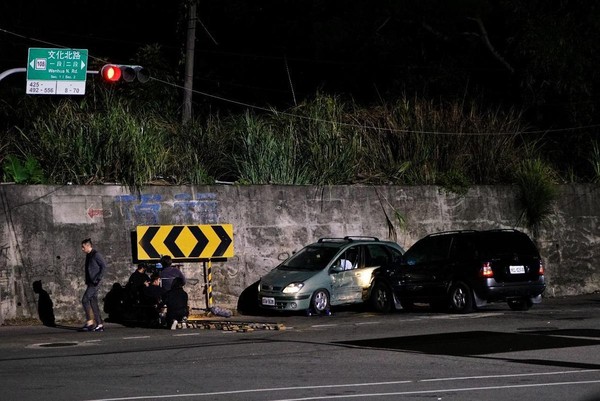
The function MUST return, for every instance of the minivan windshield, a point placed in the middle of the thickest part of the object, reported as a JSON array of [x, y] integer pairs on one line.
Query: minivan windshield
[[311, 258]]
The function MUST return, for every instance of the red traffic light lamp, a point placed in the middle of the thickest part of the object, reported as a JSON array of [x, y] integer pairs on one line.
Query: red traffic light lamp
[[111, 73], [129, 73]]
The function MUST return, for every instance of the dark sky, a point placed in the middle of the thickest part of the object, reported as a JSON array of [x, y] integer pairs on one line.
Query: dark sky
[[531, 54], [261, 51]]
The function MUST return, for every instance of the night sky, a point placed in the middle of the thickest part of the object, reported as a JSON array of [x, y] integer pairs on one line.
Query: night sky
[[537, 55]]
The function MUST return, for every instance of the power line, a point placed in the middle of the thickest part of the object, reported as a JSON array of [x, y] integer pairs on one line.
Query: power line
[[358, 126]]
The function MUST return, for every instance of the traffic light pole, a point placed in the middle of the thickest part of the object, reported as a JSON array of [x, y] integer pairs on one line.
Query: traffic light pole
[[11, 71]]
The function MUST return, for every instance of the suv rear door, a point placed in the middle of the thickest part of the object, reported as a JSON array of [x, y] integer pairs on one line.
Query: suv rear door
[[512, 255]]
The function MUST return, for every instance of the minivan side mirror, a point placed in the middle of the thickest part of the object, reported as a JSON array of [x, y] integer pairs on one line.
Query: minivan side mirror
[[336, 268]]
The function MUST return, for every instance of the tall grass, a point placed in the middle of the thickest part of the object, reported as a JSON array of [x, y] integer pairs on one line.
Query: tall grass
[[538, 191], [324, 141], [266, 155], [82, 146]]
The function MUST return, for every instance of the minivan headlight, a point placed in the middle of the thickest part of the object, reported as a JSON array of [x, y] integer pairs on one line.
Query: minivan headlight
[[293, 288]]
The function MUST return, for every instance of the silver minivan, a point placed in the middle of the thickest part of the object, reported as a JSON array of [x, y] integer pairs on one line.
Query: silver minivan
[[329, 272]]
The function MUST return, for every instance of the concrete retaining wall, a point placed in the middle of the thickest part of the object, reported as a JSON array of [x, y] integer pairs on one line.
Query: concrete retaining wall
[[42, 228]]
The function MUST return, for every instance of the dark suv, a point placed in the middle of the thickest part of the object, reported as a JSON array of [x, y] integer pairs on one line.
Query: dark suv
[[463, 270]]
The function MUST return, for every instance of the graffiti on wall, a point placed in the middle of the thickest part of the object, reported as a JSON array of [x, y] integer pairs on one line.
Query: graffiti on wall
[[187, 208], [200, 209]]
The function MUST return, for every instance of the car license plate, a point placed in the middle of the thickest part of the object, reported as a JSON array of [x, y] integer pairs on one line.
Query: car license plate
[[517, 269], [268, 301]]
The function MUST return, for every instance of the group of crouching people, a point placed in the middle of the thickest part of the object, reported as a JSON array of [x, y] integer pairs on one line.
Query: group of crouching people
[[155, 300]]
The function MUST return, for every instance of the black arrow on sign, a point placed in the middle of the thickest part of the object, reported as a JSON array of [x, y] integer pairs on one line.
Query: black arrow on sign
[[170, 242], [225, 240], [145, 242], [202, 241]]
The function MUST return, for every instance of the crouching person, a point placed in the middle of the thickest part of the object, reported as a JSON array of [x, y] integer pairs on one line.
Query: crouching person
[[176, 301]]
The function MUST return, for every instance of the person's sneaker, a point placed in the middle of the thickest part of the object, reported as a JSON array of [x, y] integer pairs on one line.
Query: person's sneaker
[[87, 327], [174, 325], [100, 327]]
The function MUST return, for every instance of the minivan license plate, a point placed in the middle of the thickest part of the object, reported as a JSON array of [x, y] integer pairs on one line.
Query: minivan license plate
[[517, 269], [268, 301]]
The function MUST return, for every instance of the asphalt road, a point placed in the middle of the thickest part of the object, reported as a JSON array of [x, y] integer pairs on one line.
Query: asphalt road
[[551, 352]]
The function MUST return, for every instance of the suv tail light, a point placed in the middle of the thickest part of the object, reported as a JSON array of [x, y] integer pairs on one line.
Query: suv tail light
[[486, 270], [541, 268]]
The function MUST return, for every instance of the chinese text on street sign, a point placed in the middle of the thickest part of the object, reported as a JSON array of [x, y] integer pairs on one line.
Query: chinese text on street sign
[[56, 71]]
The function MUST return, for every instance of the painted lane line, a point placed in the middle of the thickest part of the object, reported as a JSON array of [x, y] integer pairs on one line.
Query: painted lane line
[[330, 397], [324, 325], [449, 390], [258, 390], [135, 338], [186, 335], [564, 372], [366, 323]]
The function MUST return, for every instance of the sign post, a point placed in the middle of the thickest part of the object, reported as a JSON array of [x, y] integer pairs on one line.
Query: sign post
[[56, 71]]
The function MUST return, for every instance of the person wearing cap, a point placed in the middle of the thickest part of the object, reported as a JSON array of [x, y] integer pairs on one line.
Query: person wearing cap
[[169, 273]]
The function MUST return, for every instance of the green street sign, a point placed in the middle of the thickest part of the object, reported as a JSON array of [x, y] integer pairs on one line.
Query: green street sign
[[56, 71]]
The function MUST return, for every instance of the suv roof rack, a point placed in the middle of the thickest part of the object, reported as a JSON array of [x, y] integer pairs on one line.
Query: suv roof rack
[[452, 232], [348, 238], [360, 238], [331, 239]]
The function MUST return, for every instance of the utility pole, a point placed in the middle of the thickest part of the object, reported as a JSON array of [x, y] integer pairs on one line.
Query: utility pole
[[189, 63]]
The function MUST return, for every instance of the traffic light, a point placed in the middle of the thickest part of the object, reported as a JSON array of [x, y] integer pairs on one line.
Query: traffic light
[[128, 73]]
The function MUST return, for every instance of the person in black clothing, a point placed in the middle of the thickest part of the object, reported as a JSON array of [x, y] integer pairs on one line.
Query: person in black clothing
[[153, 292], [153, 300], [136, 283], [45, 305], [176, 301], [95, 267]]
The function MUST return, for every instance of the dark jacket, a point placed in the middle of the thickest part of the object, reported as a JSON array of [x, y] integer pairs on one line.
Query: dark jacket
[[176, 301], [168, 274], [95, 267], [153, 295]]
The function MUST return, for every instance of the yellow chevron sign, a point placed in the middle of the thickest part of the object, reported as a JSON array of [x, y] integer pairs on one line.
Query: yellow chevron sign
[[183, 242]]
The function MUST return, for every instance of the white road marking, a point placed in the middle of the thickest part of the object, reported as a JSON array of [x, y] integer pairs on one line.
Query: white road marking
[[135, 338], [448, 390], [373, 384], [563, 372]]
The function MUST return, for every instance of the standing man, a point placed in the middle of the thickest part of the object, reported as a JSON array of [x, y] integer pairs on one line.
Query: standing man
[[94, 269]]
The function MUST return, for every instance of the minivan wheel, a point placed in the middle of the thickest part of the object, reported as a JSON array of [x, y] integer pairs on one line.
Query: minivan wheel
[[381, 297], [320, 301], [520, 304], [461, 298]]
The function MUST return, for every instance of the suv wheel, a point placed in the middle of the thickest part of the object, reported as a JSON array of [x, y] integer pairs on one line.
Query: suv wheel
[[381, 297], [520, 304], [320, 301], [461, 298]]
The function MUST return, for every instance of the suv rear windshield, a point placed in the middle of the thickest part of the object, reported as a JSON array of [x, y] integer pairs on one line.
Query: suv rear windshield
[[508, 243]]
